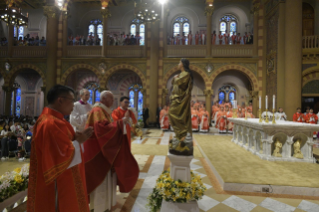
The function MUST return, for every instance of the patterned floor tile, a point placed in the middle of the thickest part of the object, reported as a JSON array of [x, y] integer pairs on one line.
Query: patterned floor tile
[[208, 186], [276, 206], [200, 174], [260, 209], [218, 197], [308, 206], [195, 167], [222, 208], [253, 199], [299, 210], [141, 160], [207, 203], [291, 202], [239, 204]]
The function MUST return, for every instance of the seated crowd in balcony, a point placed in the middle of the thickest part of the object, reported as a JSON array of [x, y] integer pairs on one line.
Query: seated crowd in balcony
[[201, 39], [124, 40], [81, 40], [4, 41], [25, 41]]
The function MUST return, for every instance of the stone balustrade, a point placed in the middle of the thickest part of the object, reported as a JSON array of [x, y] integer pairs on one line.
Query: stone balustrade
[[186, 51], [84, 51], [310, 42], [260, 139], [3, 51], [125, 51], [29, 51]]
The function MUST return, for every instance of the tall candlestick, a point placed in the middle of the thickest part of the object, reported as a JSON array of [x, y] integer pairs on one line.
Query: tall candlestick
[[259, 102], [273, 102], [266, 102]]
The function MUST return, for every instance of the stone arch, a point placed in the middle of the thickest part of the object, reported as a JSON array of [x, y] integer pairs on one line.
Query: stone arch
[[193, 68], [113, 69], [12, 74], [80, 66], [310, 74], [252, 78]]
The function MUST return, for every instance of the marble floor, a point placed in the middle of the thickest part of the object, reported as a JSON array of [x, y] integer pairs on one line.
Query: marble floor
[[214, 200]]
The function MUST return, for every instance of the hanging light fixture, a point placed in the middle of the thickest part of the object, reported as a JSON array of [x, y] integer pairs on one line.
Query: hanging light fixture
[[147, 10], [12, 14]]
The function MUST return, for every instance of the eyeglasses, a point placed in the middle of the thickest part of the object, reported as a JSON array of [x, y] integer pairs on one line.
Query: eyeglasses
[[127, 102], [68, 98]]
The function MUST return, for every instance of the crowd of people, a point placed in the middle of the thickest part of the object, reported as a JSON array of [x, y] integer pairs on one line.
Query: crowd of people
[[80, 40], [25, 41], [220, 39], [15, 131]]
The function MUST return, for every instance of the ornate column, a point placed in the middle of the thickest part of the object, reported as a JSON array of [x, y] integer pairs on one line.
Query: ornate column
[[209, 12], [293, 56], [52, 14], [105, 14], [64, 33], [164, 95], [254, 95], [7, 107], [255, 11], [10, 39], [144, 96], [208, 97]]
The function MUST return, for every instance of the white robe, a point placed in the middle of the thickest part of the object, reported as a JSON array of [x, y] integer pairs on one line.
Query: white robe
[[263, 115], [278, 116], [78, 116]]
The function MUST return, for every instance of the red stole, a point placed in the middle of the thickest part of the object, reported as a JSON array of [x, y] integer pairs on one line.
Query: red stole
[[108, 148]]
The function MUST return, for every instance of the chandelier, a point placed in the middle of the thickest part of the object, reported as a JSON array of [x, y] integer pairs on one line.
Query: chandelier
[[12, 14], [147, 10]]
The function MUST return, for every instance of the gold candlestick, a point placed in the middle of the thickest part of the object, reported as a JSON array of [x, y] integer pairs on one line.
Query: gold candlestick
[[273, 117], [245, 115], [234, 113], [260, 118], [267, 120]]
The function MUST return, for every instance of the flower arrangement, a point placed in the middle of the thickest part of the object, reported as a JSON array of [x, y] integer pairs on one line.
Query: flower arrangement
[[175, 190], [13, 182]]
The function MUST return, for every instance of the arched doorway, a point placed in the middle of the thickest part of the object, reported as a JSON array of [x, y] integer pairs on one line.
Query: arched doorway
[[308, 19], [127, 83], [232, 85], [84, 78], [198, 87], [27, 97]]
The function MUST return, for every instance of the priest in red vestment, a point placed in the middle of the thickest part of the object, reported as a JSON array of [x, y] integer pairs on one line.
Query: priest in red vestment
[[108, 158], [57, 176], [195, 118], [298, 116], [119, 113], [312, 119], [230, 125], [204, 124], [221, 120], [164, 120]]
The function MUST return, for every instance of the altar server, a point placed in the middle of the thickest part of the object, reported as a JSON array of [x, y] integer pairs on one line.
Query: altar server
[[164, 120], [281, 115], [204, 125], [298, 116], [57, 177], [195, 119], [312, 119], [229, 124], [221, 120]]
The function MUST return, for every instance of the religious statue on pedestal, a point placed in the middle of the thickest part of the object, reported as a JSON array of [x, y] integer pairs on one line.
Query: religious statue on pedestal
[[278, 146], [180, 111], [297, 151]]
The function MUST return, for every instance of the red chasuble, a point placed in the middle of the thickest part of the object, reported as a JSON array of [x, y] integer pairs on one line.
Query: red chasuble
[[108, 148], [119, 114], [52, 153]]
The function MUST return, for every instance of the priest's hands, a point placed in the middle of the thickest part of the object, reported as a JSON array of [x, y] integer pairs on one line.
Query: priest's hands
[[81, 137], [126, 117]]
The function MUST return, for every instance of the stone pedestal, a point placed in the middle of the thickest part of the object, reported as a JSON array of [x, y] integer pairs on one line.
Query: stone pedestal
[[180, 170]]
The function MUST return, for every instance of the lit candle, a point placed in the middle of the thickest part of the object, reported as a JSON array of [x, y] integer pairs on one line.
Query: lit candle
[[266, 102], [273, 102], [259, 102]]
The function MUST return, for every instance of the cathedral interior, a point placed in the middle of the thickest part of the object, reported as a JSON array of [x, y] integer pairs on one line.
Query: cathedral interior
[[133, 47]]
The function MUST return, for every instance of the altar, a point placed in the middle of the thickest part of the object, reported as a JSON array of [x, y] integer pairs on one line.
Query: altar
[[283, 141]]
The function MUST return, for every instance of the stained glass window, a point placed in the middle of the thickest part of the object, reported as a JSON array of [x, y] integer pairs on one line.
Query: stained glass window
[[97, 96], [132, 98], [232, 97], [140, 104], [21, 32], [12, 102], [177, 28], [91, 96], [91, 29], [233, 28], [100, 32], [223, 27], [14, 31], [186, 31], [133, 29], [221, 97], [18, 102], [142, 34]]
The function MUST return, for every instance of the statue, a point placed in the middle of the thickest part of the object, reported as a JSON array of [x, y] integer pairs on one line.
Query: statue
[[180, 111], [297, 151], [278, 146]]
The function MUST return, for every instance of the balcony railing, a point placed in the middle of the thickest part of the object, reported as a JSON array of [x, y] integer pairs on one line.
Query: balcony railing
[[186, 51], [217, 51], [310, 42], [29, 51], [125, 51], [3, 51], [84, 51]]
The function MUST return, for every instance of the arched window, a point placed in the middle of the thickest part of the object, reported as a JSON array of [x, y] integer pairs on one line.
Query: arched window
[[94, 93], [228, 93], [14, 31], [221, 97], [229, 23], [137, 27], [132, 98], [21, 32], [181, 26], [96, 28], [136, 99], [16, 100]]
